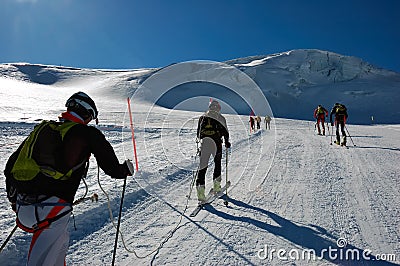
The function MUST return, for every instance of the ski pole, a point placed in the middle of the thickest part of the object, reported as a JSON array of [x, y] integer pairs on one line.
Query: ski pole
[[119, 221], [226, 174], [195, 173], [326, 126], [124, 186], [8, 238], [349, 135], [331, 132]]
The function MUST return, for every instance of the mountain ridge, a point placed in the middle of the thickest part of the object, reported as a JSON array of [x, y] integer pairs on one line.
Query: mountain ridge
[[294, 83]]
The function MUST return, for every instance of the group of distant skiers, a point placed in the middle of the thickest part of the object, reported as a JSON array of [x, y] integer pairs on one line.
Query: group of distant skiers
[[257, 121], [340, 112]]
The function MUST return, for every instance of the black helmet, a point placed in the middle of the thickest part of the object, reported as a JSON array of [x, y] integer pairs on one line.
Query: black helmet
[[82, 104]]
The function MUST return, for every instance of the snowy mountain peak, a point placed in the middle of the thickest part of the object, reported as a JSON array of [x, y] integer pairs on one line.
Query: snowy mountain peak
[[294, 82], [313, 65]]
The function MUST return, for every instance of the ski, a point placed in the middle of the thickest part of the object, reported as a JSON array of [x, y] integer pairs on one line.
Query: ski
[[209, 199]]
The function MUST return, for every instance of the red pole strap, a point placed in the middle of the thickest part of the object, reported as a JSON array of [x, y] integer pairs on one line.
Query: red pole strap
[[133, 133]]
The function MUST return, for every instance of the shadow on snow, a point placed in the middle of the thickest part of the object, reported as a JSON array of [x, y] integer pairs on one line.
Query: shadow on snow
[[309, 237]]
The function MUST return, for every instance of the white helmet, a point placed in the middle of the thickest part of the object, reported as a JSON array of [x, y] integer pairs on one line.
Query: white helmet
[[214, 106], [81, 103]]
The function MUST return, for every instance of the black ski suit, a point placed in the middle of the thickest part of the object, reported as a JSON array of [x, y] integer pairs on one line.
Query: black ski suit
[[340, 112], [211, 128], [78, 144]]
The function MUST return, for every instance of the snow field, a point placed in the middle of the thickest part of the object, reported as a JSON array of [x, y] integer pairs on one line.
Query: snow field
[[298, 193], [291, 190]]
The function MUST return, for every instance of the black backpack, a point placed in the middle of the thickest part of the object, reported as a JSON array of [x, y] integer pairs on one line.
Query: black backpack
[[209, 127], [340, 109]]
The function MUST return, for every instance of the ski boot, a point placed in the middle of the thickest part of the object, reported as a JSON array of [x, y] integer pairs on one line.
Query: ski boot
[[201, 193], [217, 185], [344, 141]]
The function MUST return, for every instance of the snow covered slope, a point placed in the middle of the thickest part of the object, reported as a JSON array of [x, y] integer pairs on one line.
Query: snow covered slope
[[304, 197], [294, 199], [293, 82]]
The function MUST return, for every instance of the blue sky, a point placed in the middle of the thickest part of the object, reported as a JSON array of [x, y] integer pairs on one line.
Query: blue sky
[[125, 34]]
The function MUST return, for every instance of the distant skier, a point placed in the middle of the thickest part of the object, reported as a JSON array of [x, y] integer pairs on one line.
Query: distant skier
[[210, 130], [320, 113], [43, 176], [258, 120], [267, 121], [251, 124], [340, 112]]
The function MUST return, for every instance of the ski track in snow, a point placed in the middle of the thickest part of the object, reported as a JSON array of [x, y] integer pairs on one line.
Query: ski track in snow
[[311, 195]]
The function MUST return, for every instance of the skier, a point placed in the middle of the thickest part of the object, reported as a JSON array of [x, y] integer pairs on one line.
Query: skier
[[258, 120], [210, 130], [320, 113], [267, 121], [41, 184], [340, 112], [251, 124]]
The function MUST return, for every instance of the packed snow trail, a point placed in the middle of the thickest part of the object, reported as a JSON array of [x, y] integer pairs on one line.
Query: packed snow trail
[[312, 195], [308, 201]]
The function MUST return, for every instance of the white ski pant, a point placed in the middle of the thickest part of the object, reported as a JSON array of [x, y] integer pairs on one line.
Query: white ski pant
[[49, 245]]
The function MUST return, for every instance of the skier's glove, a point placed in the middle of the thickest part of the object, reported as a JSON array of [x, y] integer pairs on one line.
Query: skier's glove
[[332, 124], [227, 144], [128, 163]]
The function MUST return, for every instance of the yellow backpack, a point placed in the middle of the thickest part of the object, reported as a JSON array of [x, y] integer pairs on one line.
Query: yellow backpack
[[39, 152], [320, 110]]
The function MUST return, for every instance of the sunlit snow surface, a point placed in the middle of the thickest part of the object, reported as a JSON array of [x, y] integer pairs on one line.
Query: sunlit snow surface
[[291, 189]]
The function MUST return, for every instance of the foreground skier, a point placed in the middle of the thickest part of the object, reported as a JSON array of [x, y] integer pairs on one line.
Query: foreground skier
[[210, 130], [43, 175]]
